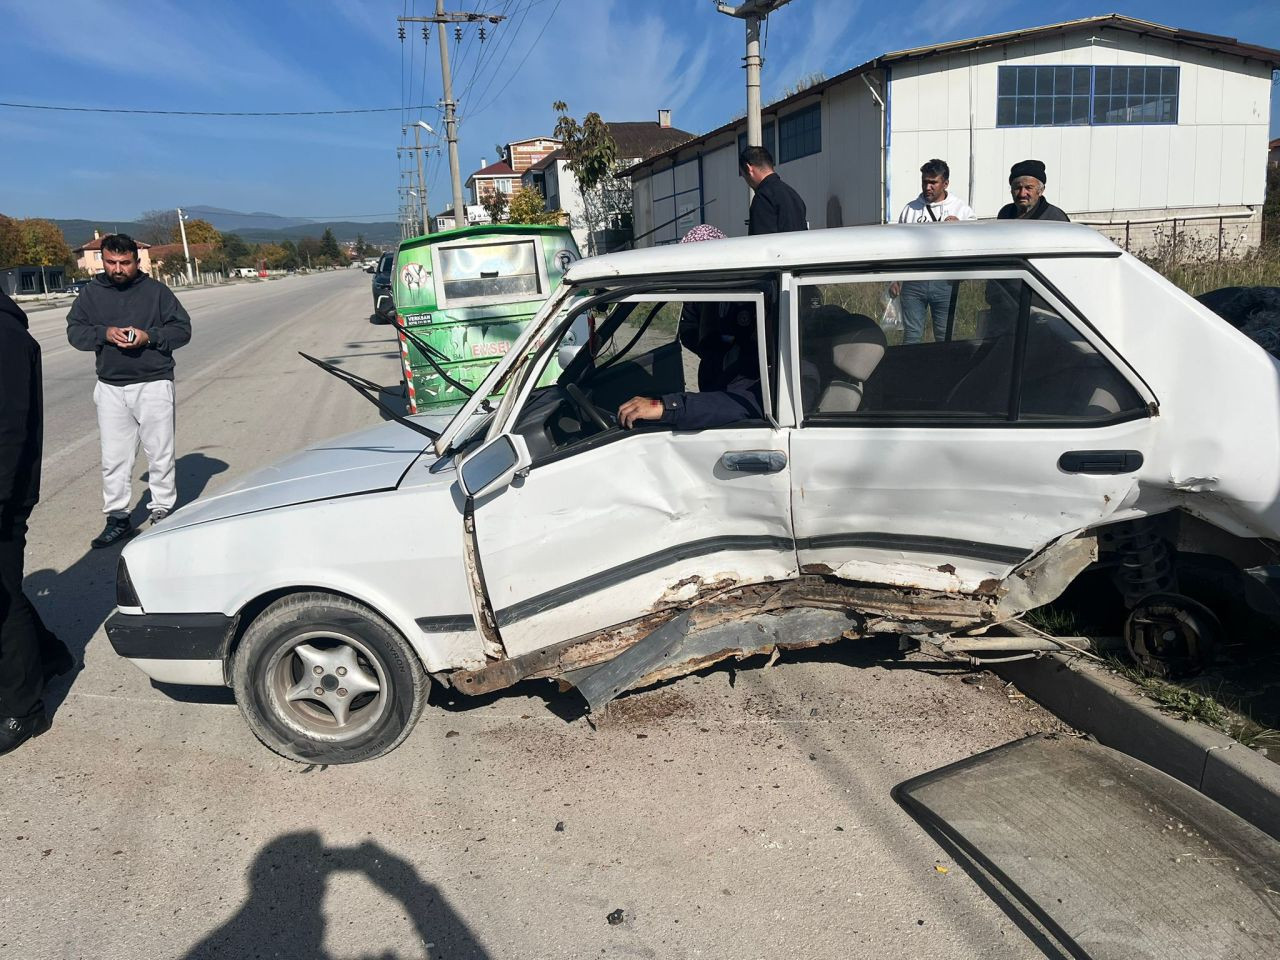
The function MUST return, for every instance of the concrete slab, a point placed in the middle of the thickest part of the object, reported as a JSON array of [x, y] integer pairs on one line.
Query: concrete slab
[[1117, 860]]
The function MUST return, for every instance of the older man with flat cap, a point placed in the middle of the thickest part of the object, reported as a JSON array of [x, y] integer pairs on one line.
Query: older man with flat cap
[[1026, 183]]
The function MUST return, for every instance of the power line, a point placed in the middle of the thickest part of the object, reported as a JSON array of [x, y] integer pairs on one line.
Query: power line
[[215, 113], [516, 72]]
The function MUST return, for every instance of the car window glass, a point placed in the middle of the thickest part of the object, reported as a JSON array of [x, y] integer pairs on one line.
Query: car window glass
[[954, 356], [637, 349], [857, 358], [1064, 377]]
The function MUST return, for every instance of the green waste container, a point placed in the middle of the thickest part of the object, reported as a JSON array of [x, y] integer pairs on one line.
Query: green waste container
[[468, 295]]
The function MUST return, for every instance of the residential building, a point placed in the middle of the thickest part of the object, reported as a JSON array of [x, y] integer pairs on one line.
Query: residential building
[[1152, 134], [89, 255], [28, 279], [551, 176], [520, 155], [488, 180]]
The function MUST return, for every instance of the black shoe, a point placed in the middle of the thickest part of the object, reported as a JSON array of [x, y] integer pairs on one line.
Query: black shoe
[[117, 529], [15, 731]]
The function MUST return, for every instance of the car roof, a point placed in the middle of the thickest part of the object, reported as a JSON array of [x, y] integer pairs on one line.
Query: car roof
[[880, 242]]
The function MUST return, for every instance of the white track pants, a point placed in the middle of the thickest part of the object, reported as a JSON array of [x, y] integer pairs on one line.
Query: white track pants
[[126, 415]]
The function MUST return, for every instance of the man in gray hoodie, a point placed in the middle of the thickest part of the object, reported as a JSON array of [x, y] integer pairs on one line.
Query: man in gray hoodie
[[133, 323]]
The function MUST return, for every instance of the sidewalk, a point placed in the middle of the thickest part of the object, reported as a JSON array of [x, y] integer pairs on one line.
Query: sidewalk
[[1105, 705]]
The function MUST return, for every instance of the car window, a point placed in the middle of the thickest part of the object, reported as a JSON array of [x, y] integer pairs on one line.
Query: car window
[[984, 350], [647, 348]]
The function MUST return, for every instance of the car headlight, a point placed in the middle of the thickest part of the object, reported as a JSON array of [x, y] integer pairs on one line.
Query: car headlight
[[126, 596]]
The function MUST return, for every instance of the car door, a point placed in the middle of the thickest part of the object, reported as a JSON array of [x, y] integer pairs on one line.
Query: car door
[[946, 464], [611, 525]]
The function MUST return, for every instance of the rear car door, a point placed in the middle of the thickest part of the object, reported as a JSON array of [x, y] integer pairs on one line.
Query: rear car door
[[946, 464]]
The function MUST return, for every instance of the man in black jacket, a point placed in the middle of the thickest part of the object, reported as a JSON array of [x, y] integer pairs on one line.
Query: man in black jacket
[[133, 323], [29, 653], [776, 207], [1026, 184]]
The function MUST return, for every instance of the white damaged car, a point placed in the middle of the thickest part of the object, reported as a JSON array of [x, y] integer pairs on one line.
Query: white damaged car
[[799, 473]]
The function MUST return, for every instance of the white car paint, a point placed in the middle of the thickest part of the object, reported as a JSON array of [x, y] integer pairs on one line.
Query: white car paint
[[568, 545]]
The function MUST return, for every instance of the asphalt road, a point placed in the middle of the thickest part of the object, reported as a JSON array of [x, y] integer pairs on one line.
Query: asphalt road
[[738, 814]]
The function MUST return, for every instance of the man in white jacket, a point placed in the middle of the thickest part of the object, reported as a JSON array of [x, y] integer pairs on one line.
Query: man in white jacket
[[934, 205]]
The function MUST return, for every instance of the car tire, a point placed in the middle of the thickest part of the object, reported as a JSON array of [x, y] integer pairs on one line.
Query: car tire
[[364, 686]]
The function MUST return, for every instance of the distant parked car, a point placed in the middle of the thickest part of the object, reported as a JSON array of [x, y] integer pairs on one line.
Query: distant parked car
[[75, 286], [384, 307]]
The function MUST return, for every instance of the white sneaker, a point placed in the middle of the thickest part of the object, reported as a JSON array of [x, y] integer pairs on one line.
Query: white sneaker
[[157, 515]]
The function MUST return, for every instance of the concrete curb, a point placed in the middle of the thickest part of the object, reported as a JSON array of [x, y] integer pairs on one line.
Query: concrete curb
[[1100, 703]]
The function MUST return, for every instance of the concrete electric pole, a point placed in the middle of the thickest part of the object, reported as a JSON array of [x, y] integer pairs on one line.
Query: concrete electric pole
[[753, 11], [186, 251], [450, 105]]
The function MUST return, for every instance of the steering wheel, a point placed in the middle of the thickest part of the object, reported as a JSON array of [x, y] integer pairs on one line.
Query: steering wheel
[[586, 407]]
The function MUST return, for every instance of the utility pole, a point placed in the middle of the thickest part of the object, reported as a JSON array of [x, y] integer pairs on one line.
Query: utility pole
[[450, 105], [421, 193], [753, 11], [186, 251]]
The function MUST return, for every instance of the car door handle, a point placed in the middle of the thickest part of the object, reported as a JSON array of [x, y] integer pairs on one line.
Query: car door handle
[[1100, 461], [754, 461]]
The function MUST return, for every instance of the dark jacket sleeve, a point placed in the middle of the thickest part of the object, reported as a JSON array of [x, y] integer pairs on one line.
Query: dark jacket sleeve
[[741, 400], [82, 332], [175, 324], [1055, 213], [17, 367]]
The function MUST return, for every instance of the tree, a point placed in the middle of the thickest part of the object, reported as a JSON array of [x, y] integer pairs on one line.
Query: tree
[[273, 255], [198, 231], [495, 204], [329, 247], [43, 244], [591, 154], [235, 251], [290, 255], [309, 252], [158, 226], [10, 242], [528, 206]]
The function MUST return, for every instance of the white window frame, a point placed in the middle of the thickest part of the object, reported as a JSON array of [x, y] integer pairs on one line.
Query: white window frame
[[794, 284]]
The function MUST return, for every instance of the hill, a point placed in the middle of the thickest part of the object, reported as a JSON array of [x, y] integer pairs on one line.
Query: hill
[[78, 232]]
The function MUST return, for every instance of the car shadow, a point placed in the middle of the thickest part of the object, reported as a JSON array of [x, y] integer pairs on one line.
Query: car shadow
[[75, 602], [283, 914]]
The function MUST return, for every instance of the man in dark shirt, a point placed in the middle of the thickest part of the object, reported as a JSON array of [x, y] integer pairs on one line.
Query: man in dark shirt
[[1026, 184], [776, 207], [29, 653], [133, 323]]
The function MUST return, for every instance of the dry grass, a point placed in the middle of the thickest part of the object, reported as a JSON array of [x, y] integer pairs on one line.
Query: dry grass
[[1197, 276]]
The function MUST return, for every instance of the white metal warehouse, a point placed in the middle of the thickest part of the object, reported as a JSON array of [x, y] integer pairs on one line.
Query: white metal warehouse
[[1153, 134]]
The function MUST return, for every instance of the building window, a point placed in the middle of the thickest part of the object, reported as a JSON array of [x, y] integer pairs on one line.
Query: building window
[[800, 133], [768, 139], [1061, 96], [1135, 95]]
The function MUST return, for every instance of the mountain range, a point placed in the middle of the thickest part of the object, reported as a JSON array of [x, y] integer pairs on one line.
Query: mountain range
[[255, 227]]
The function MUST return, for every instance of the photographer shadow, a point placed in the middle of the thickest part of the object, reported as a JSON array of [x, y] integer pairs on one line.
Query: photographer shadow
[[75, 602], [283, 915]]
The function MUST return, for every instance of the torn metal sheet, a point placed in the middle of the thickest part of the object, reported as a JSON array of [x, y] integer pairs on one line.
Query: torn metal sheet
[[1117, 860], [680, 647]]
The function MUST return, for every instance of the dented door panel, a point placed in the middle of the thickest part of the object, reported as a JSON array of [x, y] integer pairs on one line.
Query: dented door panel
[[642, 524]]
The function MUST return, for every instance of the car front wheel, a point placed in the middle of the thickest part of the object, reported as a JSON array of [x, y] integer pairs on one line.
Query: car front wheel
[[323, 679]]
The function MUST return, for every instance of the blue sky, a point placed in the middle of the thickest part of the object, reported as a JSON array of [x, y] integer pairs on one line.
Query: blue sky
[[623, 58]]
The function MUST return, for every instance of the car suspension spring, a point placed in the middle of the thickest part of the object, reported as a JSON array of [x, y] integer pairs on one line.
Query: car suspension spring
[[1145, 564]]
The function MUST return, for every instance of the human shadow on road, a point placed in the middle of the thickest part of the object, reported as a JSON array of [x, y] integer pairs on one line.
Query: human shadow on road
[[283, 915], [75, 602]]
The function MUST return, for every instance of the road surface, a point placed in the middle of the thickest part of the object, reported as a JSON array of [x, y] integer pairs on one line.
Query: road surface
[[738, 814]]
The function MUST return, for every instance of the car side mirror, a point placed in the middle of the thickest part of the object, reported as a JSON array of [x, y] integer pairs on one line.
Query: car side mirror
[[493, 465]]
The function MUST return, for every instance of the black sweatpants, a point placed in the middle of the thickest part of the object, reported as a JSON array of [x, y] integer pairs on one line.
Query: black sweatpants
[[26, 644]]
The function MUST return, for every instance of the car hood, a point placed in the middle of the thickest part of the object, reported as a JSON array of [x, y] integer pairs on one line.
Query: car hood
[[367, 460]]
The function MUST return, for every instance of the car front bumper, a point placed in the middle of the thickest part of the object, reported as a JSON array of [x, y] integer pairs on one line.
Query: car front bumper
[[174, 647]]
